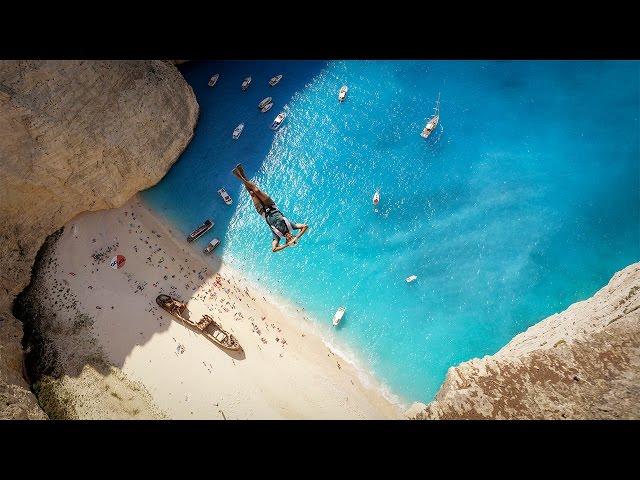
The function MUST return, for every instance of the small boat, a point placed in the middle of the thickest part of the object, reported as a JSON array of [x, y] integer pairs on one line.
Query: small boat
[[212, 246], [274, 81], [245, 83], [213, 80], [338, 316], [278, 121], [267, 107], [376, 197], [238, 131], [201, 230], [206, 325], [342, 94], [265, 101], [410, 278], [433, 121], [225, 196]]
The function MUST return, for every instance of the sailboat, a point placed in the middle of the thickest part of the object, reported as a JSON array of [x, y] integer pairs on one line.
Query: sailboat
[[432, 123]]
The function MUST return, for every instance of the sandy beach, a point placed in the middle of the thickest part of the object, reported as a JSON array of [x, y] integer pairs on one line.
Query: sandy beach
[[284, 372]]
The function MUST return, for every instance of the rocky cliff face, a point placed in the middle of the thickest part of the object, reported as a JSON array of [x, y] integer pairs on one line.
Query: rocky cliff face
[[583, 363], [75, 136]]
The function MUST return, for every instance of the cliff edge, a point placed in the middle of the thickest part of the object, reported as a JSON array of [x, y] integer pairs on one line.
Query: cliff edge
[[583, 363], [75, 136]]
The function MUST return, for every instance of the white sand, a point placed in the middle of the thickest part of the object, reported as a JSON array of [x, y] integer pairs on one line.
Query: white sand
[[286, 370]]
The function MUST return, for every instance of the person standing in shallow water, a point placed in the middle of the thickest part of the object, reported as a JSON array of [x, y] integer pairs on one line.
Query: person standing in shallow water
[[280, 226]]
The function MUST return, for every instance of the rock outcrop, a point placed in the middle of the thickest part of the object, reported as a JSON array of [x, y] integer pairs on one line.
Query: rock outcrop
[[75, 136], [583, 363]]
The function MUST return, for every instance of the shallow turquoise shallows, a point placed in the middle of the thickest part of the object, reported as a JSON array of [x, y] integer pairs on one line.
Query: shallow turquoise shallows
[[524, 200]]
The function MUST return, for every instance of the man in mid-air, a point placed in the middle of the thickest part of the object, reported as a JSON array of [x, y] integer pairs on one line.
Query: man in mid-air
[[280, 226]]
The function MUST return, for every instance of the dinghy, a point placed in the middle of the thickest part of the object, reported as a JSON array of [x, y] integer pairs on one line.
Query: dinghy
[[433, 121], [338, 316], [206, 325]]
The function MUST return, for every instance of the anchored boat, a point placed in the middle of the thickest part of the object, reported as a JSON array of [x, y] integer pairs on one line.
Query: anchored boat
[[433, 121], [274, 81], [338, 316], [212, 246], [278, 121], [225, 196], [264, 102], [238, 131], [245, 83], [267, 107], [206, 325], [201, 230], [213, 80], [342, 94]]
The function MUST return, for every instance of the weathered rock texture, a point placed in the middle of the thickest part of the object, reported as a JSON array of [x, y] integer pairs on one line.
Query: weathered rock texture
[[75, 136], [583, 363]]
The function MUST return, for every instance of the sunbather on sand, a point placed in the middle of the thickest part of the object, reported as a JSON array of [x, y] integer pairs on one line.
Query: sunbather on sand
[[280, 226]]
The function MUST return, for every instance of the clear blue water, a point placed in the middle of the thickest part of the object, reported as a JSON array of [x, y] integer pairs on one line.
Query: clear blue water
[[525, 201]]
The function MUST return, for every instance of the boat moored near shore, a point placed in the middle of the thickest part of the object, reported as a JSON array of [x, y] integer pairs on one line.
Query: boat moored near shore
[[212, 246], [201, 230]]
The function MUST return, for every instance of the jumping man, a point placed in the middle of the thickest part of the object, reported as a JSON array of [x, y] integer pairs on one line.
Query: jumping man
[[280, 226]]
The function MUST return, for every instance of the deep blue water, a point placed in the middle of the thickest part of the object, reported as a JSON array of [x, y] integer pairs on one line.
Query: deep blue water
[[526, 200]]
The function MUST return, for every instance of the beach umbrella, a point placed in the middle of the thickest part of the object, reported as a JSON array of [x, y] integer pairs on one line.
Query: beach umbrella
[[117, 262]]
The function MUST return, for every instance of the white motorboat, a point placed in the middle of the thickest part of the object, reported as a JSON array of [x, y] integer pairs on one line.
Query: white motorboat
[[433, 121], [278, 121], [267, 107], [245, 83], [238, 131], [225, 196], [212, 246], [264, 102], [338, 316], [376, 197], [410, 278], [213, 80], [342, 94], [274, 81]]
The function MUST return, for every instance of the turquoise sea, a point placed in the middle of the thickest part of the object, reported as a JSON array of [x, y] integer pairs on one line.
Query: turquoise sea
[[524, 201]]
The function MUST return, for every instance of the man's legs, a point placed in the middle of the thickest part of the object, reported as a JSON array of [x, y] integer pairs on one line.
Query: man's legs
[[252, 187]]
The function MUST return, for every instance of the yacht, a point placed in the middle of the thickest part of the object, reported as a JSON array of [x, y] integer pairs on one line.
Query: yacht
[[342, 94], [278, 121], [274, 81], [267, 107], [238, 131], [245, 83], [264, 102], [213, 80], [432, 123]]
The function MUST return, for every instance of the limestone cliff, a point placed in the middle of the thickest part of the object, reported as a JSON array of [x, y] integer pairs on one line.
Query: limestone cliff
[[583, 363], [75, 136]]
